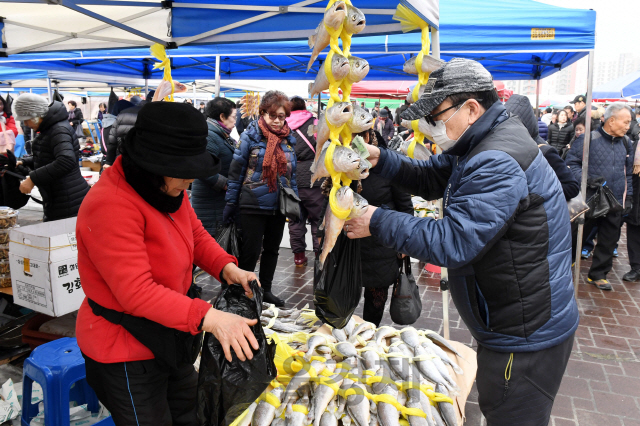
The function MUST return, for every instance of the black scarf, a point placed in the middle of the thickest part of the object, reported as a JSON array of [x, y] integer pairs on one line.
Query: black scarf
[[140, 181]]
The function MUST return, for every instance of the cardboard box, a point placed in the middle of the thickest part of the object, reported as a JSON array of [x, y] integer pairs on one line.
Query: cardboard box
[[95, 167], [44, 267]]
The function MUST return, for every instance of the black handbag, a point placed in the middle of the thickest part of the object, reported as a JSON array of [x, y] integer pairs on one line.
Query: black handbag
[[602, 202], [406, 304], [288, 202]]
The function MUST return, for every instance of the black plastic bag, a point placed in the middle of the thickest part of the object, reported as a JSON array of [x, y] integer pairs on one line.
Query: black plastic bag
[[226, 389], [11, 176], [338, 286], [229, 240], [602, 202], [406, 304]]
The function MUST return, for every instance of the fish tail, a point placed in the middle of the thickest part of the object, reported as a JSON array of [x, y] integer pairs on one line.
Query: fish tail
[[311, 91]]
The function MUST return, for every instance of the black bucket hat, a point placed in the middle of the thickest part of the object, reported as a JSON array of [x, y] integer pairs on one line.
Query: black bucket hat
[[170, 139]]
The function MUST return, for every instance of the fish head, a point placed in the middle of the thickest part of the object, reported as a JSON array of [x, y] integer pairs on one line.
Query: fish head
[[406, 124], [277, 392], [334, 16], [340, 113], [359, 68], [410, 97], [430, 64], [410, 66], [364, 169], [344, 197], [360, 206], [361, 120], [340, 67], [424, 127], [355, 20]]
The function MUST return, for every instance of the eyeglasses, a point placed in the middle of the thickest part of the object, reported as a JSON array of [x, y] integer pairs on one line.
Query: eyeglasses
[[430, 117], [275, 117]]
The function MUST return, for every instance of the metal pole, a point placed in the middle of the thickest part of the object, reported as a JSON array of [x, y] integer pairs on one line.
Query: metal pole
[[146, 88], [49, 89], [217, 75], [538, 98], [31, 91], [194, 93], [319, 104], [585, 171], [444, 274]]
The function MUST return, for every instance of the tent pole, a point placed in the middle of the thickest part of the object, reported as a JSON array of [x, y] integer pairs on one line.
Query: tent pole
[[217, 75], [319, 104], [31, 91], [444, 273], [146, 88], [194, 93], [538, 98], [585, 171], [49, 89]]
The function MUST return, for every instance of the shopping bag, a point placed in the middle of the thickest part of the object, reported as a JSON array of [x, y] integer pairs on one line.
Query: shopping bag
[[229, 240], [226, 389], [338, 286], [598, 205], [406, 305]]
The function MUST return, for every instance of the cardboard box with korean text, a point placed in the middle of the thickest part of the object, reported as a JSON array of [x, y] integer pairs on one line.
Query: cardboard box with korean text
[[44, 267]]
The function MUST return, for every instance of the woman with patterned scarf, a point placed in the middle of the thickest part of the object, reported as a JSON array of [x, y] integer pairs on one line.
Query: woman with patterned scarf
[[266, 154]]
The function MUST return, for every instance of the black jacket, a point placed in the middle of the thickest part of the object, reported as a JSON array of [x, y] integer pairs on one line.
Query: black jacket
[[125, 122], [634, 216], [305, 156], [379, 263], [78, 118], [207, 195], [560, 138], [56, 152]]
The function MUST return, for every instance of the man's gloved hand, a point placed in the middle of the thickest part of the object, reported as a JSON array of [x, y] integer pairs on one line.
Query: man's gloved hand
[[229, 213], [626, 210]]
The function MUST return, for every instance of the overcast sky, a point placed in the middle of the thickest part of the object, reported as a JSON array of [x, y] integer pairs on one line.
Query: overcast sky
[[617, 28]]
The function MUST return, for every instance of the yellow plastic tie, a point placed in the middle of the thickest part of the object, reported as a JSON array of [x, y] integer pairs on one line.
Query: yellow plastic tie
[[158, 51], [300, 408], [270, 398]]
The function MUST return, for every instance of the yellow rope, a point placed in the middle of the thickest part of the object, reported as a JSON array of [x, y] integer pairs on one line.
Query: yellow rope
[[158, 52]]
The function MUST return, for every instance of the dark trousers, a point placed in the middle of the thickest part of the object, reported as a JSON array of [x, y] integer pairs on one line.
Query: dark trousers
[[374, 302], [141, 393], [608, 236], [261, 233], [526, 399], [311, 205], [633, 246]]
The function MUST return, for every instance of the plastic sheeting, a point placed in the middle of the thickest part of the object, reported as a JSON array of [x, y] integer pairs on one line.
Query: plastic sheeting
[[623, 87]]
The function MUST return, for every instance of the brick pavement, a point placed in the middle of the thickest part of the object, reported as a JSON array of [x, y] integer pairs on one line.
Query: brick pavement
[[602, 382]]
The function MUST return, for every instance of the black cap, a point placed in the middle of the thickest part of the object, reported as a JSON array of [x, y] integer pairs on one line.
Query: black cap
[[170, 139], [579, 98], [384, 113]]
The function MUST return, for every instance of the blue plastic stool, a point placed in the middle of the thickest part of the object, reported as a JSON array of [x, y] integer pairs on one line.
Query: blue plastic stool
[[57, 366]]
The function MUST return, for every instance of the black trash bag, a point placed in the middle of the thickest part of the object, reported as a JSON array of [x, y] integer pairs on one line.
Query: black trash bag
[[226, 389], [229, 240], [338, 286], [406, 305]]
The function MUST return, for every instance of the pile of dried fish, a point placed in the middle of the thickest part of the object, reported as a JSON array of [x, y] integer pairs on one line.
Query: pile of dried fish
[[250, 105], [360, 375]]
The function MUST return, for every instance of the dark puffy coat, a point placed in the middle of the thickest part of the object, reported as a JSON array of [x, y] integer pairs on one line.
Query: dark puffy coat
[[207, 195], [56, 152], [505, 234], [125, 122], [519, 105], [304, 155], [380, 263], [245, 186], [78, 117], [634, 216], [610, 158], [387, 129], [543, 130], [560, 138]]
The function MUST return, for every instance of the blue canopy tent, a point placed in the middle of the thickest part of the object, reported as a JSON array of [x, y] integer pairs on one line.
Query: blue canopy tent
[[627, 86]]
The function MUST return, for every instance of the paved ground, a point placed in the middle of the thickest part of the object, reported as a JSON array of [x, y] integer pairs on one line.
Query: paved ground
[[602, 382]]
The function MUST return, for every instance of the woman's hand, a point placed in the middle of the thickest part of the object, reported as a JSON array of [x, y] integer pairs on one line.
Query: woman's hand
[[374, 154], [234, 275], [233, 332], [26, 186]]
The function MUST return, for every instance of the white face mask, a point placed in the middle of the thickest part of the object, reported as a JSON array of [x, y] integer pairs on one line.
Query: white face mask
[[439, 132]]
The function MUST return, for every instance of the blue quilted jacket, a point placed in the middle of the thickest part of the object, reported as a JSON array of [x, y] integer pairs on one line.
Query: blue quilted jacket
[[245, 185], [505, 234], [610, 158]]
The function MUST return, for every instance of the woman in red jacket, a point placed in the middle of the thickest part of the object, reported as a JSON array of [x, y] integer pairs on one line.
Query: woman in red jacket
[[6, 118], [137, 240]]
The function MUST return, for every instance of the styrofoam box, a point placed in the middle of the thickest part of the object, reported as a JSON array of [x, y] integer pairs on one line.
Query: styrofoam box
[[44, 267]]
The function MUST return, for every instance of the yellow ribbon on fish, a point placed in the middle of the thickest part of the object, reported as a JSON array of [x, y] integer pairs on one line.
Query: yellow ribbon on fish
[[158, 52]]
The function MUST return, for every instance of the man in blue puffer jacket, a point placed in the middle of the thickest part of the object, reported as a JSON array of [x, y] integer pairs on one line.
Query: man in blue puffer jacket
[[505, 236], [611, 162]]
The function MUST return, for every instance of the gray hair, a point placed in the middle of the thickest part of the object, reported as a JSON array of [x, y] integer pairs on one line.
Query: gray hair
[[29, 106], [614, 109]]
